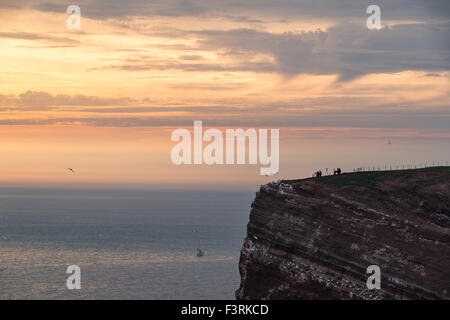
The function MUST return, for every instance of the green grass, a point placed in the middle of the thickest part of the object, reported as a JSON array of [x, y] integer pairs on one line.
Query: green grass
[[362, 180], [357, 180]]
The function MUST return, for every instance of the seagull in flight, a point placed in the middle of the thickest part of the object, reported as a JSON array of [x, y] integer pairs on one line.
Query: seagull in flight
[[4, 237], [71, 170], [273, 174]]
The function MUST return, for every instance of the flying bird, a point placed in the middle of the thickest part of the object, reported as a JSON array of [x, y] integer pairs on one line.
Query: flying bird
[[4, 237], [273, 174], [71, 170]]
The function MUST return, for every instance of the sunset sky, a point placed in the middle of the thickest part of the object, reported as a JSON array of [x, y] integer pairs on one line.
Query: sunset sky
[[104, 99]]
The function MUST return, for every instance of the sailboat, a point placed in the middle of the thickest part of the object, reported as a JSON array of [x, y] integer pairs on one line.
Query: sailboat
[[200, 253]]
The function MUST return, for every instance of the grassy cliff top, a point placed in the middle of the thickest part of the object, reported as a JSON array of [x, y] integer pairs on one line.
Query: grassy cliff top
[[425, 176]]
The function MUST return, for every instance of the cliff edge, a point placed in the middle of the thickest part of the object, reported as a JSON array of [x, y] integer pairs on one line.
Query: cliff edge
[[315, 238]]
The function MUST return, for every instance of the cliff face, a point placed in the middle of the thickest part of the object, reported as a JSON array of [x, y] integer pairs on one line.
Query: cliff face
[[314, 239]]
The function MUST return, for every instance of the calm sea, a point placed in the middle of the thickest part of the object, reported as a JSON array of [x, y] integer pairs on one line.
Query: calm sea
[[129, 244]]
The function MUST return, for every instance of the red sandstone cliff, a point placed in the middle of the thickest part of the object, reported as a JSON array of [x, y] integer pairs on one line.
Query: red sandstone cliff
[[309, 239]]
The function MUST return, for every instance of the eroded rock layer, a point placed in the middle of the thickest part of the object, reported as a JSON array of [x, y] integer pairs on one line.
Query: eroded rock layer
[[315, 238]]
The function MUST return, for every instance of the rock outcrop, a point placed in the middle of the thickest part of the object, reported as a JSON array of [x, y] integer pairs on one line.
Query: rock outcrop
[[315, 238]]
